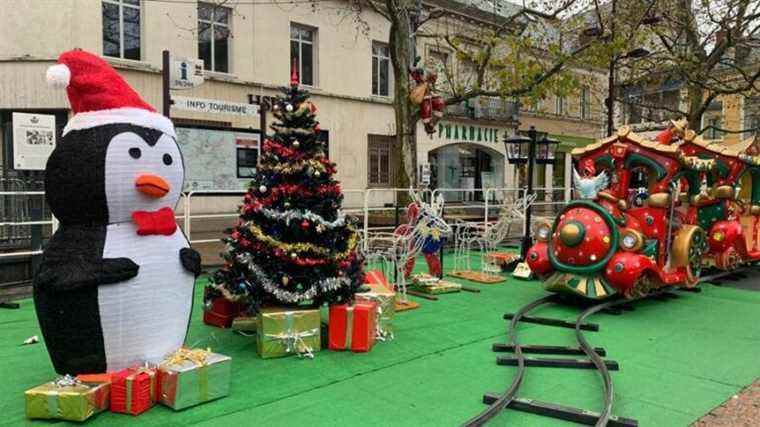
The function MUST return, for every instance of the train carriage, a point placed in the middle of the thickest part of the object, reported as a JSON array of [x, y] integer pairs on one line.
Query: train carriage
[[651, 214]]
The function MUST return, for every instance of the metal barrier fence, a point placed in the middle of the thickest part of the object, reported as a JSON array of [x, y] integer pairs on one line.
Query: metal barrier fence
[[24, 213]]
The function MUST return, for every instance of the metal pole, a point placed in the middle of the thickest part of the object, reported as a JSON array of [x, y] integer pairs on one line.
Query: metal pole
[[611, 78], [610, 98], [531, 159], [263, 108], [165, 78]]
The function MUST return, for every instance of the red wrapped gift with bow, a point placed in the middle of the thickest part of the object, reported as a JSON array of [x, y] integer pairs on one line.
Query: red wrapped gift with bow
[[352, 327], [134, 390], [222, 313]]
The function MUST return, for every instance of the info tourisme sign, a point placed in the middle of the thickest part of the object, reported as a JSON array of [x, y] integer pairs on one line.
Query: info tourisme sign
[[215, 106]]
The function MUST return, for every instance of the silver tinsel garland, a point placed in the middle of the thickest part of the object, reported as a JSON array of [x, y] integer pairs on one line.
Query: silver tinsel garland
[[298, 215], [329, 284]]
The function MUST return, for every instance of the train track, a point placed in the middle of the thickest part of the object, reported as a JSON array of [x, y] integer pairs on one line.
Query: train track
[[594, 360]]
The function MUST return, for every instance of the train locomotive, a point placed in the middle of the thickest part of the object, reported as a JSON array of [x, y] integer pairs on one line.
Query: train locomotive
[[650, 214]]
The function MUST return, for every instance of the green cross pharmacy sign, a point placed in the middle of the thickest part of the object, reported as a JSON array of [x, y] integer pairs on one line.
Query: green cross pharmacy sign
[[457, 132]]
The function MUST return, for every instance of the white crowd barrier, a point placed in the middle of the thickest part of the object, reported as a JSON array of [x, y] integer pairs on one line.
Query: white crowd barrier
[[472, 205]]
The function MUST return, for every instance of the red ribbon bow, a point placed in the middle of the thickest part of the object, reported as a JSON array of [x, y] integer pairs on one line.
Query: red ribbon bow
[[158, 222]]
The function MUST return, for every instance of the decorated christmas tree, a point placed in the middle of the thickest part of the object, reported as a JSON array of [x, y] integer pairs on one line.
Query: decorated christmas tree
[[292, 244]]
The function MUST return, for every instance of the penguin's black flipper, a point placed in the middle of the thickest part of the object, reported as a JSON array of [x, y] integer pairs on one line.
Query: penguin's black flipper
[[68, 275], [73, 259], [191, 260]]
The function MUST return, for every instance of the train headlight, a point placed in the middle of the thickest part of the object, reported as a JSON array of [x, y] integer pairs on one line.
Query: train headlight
[[543, 232], [632, 240]]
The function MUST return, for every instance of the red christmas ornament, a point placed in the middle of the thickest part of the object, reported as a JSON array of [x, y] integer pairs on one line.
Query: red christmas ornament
[[305, 225]]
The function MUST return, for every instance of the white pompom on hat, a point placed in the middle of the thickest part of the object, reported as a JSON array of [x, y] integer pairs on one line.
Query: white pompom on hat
[[99, 95], [58, 76]]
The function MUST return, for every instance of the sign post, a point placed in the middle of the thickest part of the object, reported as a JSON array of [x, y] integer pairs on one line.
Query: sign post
[[167, 100]]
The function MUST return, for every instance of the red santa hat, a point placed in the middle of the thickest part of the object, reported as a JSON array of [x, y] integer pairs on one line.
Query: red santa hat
[[99, 95]]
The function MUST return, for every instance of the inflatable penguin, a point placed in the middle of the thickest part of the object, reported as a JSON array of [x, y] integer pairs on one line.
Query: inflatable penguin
[[115, 284]]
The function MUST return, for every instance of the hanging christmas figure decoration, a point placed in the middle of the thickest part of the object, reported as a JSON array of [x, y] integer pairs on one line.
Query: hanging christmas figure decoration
[[423, 95], [115, 284], [292, 244]]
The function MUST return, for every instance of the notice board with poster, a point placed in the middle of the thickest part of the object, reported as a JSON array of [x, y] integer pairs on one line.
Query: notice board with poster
[[218, 158], [34, 138]]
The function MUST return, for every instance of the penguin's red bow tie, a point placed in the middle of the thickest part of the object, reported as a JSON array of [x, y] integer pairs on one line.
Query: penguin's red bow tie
[[157, 222]]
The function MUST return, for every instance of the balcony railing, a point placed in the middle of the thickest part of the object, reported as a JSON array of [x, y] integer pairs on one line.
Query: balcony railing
[[486, 109]]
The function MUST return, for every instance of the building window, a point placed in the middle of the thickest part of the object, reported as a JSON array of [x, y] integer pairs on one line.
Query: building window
[[714, 123], [440, 63], [585, 103], [712, 120], [379, 161], [302, 46], [121, 29], [381, 60], [559, 108], [751, 116], [214, 37]]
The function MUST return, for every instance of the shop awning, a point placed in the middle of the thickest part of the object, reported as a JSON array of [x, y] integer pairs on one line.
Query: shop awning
[[568, 142]]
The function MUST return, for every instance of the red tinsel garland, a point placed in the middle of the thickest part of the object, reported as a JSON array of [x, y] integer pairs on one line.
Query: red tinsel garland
[[276, 148], [253, 204]]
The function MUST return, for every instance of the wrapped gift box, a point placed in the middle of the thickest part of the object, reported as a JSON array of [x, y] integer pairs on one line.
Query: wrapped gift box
[[287, 331], [222, 312], [191, 377], [433, 285], [246, 324], [134, 390], [67, 399], [385, 299], [352, 327], [95, 378]]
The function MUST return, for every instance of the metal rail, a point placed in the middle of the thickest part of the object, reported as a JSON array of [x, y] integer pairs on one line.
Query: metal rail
[[506, 398], [595, 361], [601, 365]]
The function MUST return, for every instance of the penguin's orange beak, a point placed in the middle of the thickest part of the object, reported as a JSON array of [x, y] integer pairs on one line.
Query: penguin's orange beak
[[152, 185]]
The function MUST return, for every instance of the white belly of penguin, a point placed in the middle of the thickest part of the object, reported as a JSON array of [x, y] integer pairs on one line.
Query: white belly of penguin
[[146, 317]]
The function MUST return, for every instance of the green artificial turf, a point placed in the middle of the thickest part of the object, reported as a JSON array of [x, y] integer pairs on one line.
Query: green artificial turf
[[678, 358]]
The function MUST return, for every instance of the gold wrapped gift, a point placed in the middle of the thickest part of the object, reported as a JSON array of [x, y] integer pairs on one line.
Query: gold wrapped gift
[[191, 377], [386, 308], [287, 331], [433, 285], [67, 399]]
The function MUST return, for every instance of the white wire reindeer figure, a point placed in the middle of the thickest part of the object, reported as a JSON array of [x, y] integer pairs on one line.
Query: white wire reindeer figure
[[486, 237], [393, 250]]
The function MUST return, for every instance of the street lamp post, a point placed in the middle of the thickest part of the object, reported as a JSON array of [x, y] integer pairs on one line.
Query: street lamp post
[[529, 150]]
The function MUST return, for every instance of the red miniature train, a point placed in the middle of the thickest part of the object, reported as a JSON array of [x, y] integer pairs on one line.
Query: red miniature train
[[651, 214]]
